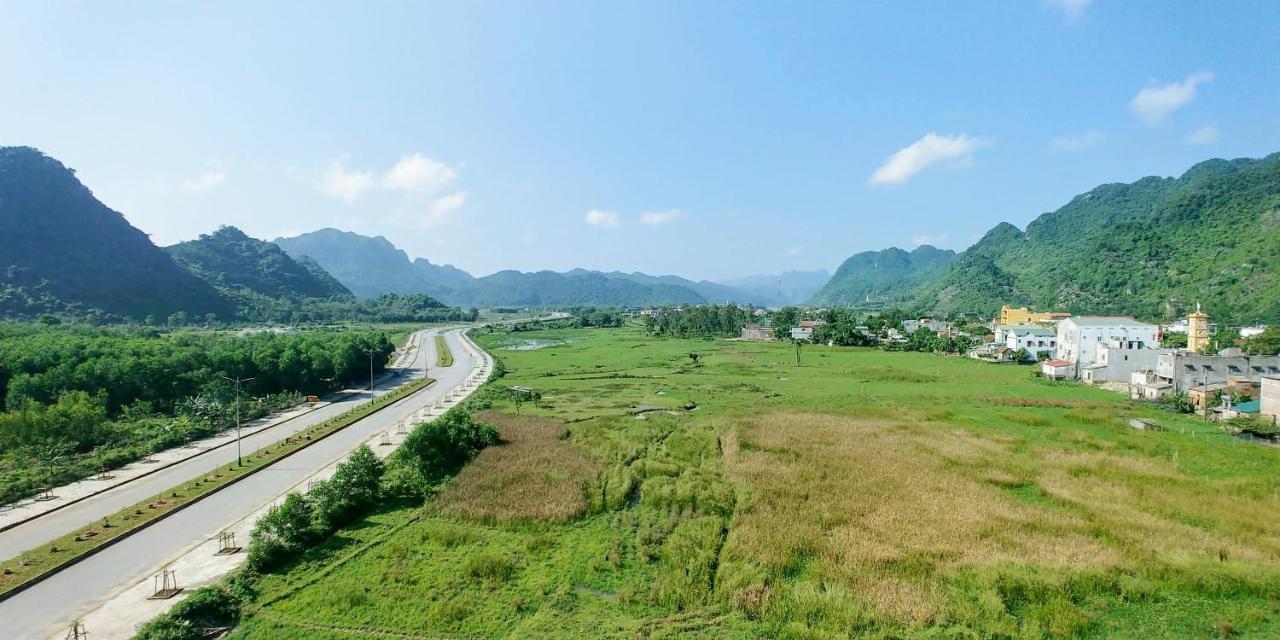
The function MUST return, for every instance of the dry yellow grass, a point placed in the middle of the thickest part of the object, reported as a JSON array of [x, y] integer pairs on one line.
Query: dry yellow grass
[[885, 508], [533, 474]]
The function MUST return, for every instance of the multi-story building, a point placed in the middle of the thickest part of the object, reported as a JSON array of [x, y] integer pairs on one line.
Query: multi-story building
[[1186, 370], [1116, 361], [1270, 396], [1080, 336], [1037, 340]]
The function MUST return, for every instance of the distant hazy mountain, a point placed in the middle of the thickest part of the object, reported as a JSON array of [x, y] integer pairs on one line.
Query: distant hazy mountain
[[787, 288], [883, 276], [233, 263], [548, 288], [373, 266], [711, 292], [63, 250]]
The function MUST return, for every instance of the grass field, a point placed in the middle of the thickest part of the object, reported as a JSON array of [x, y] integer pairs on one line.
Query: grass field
[[736, 494], [444, 357]]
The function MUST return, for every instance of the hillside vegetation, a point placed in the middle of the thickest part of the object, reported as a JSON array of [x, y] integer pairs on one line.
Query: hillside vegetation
[[1152, 248], [243, 266], [63, 251]]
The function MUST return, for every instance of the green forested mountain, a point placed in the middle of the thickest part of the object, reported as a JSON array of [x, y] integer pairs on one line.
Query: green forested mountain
[[239, 265], [1152, 248], [373, 266], [878, 277], [63, 251]]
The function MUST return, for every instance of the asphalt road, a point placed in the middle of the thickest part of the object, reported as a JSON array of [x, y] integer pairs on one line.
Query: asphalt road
[[63, 521], [54, 603]]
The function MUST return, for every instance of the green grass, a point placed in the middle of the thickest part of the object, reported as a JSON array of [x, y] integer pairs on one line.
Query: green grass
[[860, 494], [35, 565], [444, 357]]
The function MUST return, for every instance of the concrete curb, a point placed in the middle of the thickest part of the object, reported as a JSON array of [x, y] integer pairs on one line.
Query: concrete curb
[[44, 575]]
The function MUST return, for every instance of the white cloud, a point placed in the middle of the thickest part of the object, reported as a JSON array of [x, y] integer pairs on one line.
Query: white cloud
[[1203, 135], [600, 218], [929, 239], [796, 250], [441, 208], [1153, 104], [654, 218], [419, 173], [1073, 10], [930, 149], [345, 185], [204, 182], [1077, 142]]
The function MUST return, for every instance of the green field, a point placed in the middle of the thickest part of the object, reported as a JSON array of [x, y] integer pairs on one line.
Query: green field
[[716, 489]]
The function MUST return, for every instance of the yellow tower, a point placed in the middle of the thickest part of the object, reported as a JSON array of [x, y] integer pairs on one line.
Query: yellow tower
[[1198, 331]]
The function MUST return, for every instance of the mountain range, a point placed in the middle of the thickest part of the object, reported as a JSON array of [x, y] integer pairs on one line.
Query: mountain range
[[369, 266], [1152, 248]]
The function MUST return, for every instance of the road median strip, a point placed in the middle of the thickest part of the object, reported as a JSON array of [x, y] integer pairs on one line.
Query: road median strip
[[37, 564], [444, 357]]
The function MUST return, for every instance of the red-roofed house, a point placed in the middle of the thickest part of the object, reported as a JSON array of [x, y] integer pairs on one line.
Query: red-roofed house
[[1057, 369]]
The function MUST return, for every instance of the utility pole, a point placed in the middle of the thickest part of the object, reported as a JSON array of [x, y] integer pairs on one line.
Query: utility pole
[[371, 351], [238, 381]]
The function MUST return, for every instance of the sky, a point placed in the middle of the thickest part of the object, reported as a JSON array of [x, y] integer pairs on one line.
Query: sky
[[709, 139]]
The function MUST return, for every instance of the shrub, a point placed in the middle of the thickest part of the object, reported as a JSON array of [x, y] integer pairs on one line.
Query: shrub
[[281, 534], [439, 448]]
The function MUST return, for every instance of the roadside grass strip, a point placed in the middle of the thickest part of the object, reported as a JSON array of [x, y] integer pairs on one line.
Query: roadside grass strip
[[51, 557], [444, 357]]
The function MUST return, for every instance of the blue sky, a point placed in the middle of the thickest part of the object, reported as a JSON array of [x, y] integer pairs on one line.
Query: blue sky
[[707, 139]]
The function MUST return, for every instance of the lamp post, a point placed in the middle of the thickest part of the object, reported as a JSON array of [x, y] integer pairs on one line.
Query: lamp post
[[370, 351], [238, 381]]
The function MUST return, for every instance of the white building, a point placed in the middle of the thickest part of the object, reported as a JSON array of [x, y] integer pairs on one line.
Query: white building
[[1270, 396], [1249, 332], [1117, 362], [1080, 336], [1037, 340]]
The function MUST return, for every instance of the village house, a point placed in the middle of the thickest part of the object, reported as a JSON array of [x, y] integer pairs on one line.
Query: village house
[[805, 328], [1038, 341], [1080, 336], [1056, 369], [940, 327], [757, 333], [1145, 385]]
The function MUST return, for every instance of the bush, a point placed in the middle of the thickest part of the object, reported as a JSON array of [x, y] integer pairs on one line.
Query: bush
[[438, 449], [349, 494], [206, 607], [283, 533]]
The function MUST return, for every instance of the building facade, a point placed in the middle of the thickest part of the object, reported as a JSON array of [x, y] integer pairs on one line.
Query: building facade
[[1080, 336], [1186, 370], [757, 333], [1270, 397], [1198, 331], [1040, 342], [1116, 362]]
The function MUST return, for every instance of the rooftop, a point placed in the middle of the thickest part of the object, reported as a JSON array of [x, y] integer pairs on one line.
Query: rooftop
[[1108, 321], [1033, 329]]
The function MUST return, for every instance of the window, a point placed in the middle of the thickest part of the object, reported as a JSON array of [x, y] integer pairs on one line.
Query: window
[[1233, 368], [1208, 368], [1257, 369], [1191, 368], [1273, 369]]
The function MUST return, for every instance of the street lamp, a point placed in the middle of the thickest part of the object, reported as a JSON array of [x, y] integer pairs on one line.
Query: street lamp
[[370, 351], [238, 381]]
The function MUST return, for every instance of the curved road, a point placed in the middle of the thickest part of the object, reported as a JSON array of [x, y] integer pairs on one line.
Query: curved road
[[54, 603], [72, 517]]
